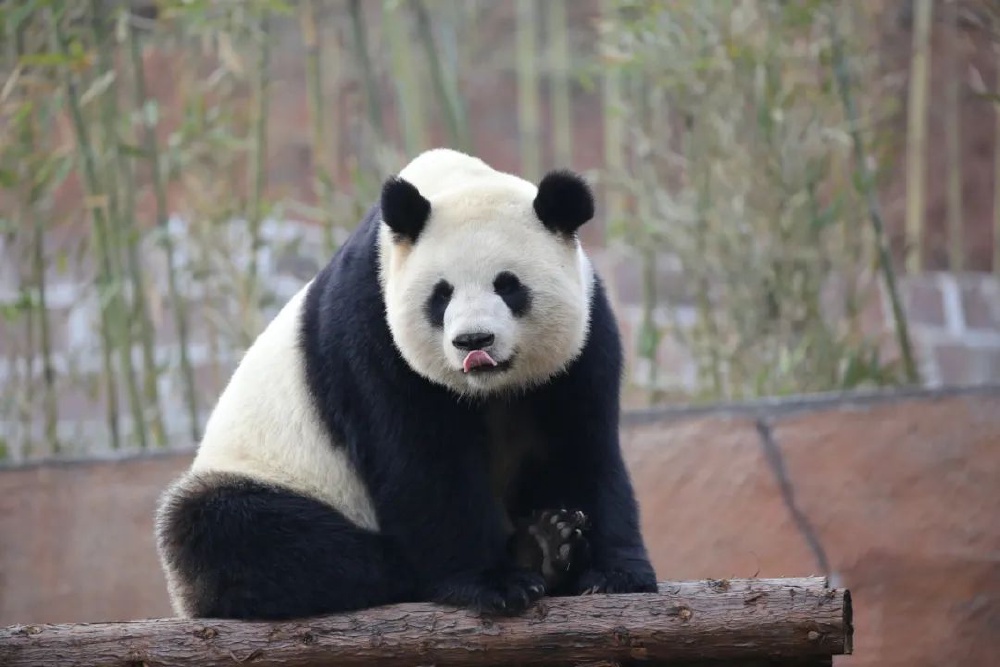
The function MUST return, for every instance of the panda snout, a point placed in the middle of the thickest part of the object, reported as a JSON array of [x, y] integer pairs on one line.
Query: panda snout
[[475, 340]]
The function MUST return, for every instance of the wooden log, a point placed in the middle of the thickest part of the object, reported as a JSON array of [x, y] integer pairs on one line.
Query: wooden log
[[738, 621]]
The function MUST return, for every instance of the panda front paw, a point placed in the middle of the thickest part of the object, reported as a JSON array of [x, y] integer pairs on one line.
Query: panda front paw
[[551, 542], [505, 592], [622, 579]]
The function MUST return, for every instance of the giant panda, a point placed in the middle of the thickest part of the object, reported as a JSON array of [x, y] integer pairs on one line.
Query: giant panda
[[447, 385]]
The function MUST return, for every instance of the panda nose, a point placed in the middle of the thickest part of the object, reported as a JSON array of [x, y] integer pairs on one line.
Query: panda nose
[[473, 341]]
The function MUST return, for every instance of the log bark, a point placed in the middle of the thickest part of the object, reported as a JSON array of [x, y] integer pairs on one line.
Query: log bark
[[738, 621]]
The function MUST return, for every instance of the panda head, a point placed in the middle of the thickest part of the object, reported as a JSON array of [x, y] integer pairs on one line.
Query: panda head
[[486, 286]]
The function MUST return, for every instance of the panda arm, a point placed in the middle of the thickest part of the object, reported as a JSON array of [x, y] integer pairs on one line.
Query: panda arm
[[586, 470]]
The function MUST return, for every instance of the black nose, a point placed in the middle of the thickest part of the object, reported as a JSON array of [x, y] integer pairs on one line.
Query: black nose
[[473, 341]]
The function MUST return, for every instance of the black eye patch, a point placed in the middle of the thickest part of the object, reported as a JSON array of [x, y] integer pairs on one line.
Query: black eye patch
[[438, 301], [513, 292]]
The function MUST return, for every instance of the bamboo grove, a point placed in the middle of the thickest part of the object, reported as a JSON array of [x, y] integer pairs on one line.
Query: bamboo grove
[[732, 143]]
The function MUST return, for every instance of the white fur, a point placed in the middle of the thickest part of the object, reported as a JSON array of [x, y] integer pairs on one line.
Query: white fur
[[482, 222], [266, 427]]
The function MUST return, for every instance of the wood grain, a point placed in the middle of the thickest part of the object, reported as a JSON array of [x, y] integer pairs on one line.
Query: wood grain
[[738, 621]]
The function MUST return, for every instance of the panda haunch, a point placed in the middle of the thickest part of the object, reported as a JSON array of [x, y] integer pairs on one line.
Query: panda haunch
[[436, 393]]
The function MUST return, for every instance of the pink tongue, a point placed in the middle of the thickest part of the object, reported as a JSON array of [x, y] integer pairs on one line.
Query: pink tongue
[[477, 358]]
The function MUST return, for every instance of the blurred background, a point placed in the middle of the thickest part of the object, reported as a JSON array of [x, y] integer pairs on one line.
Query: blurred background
[[798, 222]]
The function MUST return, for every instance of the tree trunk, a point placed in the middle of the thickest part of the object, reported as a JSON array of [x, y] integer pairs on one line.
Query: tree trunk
[[746, 622]]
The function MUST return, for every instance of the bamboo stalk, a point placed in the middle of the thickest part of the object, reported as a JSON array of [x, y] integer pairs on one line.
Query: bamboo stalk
[[611, 93], [178, 305], [529, 132], [996, 184], [365, 63], [323, 171], [450, 25], [50, 406], [916, 158], [409, 101], [865, 178], [32, 193], [140, 308], [703, 287], [105, 276], [119, 221], [953, 137], [562, 113], [447, 98], [258, 172]]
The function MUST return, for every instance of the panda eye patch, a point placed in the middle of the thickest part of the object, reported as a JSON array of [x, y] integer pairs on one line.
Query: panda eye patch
[[506, 283], [515, 295], [438, 302]]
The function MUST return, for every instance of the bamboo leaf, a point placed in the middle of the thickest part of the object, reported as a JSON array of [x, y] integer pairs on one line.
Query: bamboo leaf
[[98, 87], [8, 178]]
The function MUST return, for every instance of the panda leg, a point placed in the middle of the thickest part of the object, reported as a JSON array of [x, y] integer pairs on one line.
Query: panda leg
[[239, 549]]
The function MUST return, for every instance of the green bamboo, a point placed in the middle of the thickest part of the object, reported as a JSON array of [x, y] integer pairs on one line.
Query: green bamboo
[[562, 110], [916, 133], [447, 97], [37, 144], [323, 179], [953, 126], [410, 107], [529, 126], [703, 288], [119, 221], [258, 172], [994, 25], [365, 64], [105, 278], [866, 179], [140, 308], [178, 306], [614, 133]]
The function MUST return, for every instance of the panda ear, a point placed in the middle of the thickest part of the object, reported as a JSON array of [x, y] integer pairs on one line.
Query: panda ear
[[564, 202], [404, 209]]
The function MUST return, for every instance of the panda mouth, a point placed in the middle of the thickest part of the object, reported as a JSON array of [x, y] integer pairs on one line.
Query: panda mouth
[[480, 361]]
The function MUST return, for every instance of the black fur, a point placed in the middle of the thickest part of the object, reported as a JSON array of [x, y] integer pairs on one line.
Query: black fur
[[261, 553], [554, 543], [404, 209], [513, 292], [564, 202], [438, 302]]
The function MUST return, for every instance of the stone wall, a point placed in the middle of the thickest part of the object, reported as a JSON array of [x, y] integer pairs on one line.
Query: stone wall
[[894, 495]]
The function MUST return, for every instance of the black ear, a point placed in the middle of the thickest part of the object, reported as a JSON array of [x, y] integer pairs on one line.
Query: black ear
[[404, 209], [564, 202]]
